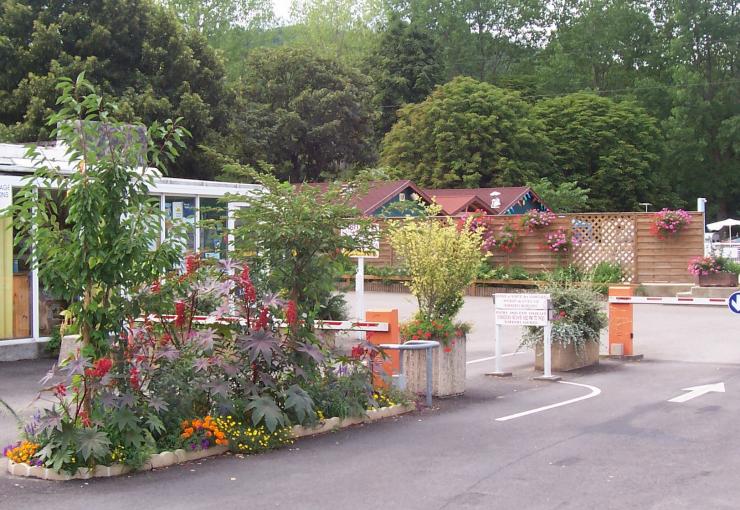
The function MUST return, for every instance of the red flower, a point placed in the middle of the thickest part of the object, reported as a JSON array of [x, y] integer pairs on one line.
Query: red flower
[[100, 368], [156, 287], [245, 281], [291, 313], [192, 261], [262, 319], [85, 418], [60, 390], [448, 349], [358, 352], [427, 335], [179, 314], [134, 378]]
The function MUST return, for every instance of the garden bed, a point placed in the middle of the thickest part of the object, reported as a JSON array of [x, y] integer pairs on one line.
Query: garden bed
[[179, 456]]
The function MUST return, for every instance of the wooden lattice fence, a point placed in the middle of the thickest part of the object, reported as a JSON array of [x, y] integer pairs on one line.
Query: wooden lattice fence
[[624, 238]]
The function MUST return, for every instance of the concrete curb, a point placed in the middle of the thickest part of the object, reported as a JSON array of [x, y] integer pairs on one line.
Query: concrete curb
[[179, 456]]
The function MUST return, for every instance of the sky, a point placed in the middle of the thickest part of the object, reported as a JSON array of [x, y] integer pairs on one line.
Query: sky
[[281, 8]]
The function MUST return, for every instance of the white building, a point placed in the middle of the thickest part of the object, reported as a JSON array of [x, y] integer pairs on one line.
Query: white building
[[27, 313]]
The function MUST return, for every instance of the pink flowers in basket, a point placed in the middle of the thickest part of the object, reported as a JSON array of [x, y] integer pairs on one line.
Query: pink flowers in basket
[[560, 242], [668, 222], [534, 220]]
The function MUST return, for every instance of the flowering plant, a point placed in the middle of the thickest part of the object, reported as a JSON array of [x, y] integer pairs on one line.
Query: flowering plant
[[534, 219], [442, 330], [702, 266], [202, 434], [22, 451], [560, 242], [507, 239], [668, 222]]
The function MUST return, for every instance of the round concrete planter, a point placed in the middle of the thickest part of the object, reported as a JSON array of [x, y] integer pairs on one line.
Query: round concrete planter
[[448, 369], [566, 358], [70, 346], [721, 279]]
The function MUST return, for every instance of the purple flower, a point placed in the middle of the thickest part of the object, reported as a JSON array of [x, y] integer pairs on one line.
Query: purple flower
[[204, 443], [193, 446]]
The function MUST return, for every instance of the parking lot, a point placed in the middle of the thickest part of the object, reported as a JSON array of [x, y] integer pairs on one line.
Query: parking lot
[[625, 446]]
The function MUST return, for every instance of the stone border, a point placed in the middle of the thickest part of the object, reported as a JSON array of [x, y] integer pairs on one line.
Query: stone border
[[179, 456]]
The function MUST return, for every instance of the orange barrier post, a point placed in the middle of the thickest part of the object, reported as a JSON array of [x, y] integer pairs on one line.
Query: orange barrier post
[[392, 336], [620, 325]]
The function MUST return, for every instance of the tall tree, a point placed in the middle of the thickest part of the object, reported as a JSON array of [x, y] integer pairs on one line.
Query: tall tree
[[132, 50], [609, 147], [467, 134], [214, 18], [405, 68], [301, 113], [704, 128]]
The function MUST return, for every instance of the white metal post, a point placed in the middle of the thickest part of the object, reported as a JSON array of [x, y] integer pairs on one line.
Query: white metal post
[[498, 332], [163, 220], [548, 351], [196, 248], [35, 303], [360, 288]]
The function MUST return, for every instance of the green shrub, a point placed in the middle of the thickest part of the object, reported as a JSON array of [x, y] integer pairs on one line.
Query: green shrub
[[606, 273], [579, 317], [565, 275]]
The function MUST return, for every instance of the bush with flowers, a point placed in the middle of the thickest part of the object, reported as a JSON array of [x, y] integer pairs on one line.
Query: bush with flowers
[[182, 365], [507, 239], [710, 264], [579, 317], [443, 330], [560, 242], [535, 219], [669, 222]]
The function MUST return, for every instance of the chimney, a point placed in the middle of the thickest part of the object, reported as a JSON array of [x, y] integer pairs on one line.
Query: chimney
[[495, 200]]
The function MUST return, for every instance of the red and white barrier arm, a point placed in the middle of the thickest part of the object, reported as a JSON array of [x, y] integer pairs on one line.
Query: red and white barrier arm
[[634, 300], [321, 324]]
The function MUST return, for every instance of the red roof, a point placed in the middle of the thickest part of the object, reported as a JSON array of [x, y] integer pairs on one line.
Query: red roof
[[378, 193], [454, 205], [508, 196]]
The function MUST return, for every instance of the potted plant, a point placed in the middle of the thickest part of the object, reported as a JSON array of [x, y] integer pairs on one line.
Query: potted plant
[[575, 330], [711, 271], [441, 259]]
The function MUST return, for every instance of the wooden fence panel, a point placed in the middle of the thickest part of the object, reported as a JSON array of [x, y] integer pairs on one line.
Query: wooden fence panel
[[624, 238]]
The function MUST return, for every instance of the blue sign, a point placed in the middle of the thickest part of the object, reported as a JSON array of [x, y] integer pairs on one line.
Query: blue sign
[[734, 302]]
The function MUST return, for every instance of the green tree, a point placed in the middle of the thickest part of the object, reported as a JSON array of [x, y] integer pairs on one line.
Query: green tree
[[214, 18], [132, 50], [301, 113], [467, 134], [101, 251], [293, 237], [566, 197], [405, 68], [704, 128], [611, 148]]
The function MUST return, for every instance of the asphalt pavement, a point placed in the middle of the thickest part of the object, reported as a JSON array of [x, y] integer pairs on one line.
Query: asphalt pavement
[[626, 446]]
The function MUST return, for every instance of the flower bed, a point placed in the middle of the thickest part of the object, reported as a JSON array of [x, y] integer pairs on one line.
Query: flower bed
[[170, 388], [180, 455]]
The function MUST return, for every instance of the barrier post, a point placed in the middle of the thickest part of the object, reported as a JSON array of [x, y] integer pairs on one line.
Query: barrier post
[[621, 333], [390, 365]]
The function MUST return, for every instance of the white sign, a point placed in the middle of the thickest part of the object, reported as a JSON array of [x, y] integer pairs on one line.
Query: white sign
[[6, 196], [521, 301], [177, 210], [521, 317], [373, 252]]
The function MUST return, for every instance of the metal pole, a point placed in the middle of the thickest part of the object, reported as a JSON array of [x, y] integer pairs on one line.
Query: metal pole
[[498, 348], [429, 376], [548, 351], [360, 288]]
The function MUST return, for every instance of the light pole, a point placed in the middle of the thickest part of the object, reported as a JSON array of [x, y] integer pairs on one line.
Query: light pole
[[646, 205]]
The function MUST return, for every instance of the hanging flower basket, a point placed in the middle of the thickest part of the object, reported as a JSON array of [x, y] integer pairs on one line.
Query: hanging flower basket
[[669, 223], [561, 242], [536, 220]]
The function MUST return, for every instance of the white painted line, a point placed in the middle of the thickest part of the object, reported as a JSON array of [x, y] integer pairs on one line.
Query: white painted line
[[594, 392], [489, 358], [698, 391]]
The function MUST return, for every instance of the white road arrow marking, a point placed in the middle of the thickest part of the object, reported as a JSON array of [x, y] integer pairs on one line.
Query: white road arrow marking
[[594, 391], [698, 391]]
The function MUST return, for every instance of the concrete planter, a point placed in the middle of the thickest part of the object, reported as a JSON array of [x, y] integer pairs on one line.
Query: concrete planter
[[566, 358], [721, 279], [448, 369], [70, 345]]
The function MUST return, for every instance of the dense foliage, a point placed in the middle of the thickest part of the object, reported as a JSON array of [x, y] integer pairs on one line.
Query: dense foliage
[[91, 245], [660, 83]]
